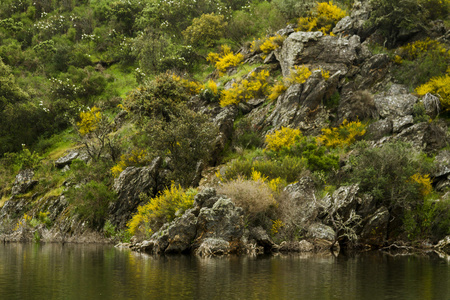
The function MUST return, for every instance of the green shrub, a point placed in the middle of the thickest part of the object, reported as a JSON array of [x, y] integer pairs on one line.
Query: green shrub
[[206, 30], [386, 173], [91, 201]]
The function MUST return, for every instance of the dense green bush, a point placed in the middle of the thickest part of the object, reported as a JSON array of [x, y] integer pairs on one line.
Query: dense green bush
[[387, 173]]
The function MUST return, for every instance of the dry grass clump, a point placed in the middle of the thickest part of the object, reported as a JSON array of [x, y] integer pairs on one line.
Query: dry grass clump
[[255, 197]]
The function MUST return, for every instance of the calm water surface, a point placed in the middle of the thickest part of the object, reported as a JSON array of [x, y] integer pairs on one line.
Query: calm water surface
[[30, 271]]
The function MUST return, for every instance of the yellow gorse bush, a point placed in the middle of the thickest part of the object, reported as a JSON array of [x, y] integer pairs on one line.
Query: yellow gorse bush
[[283, 138], [267, 45], [341, 136], [160, 209], [192, 87], [25, 221], [135, 158], [211, 86], [276, 90], [323, 18], [254, 86], [276, 226], [424, 182], [439, 86], [89, 120], [416, 49], [225, 59], [298, 74]]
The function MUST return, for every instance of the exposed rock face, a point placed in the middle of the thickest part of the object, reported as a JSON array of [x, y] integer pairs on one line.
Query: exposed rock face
[[375, 231], [354, 24], [66, 160], [321, 231], [442, 174], [23, 182], [223, 220], [129, 185], [330, 53], [396, 102], [214, 226]]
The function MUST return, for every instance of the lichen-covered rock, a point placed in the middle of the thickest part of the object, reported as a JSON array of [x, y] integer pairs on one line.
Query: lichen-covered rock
[[444, 245], [354, 24], [401, 123], [213, 247], [223, 220], [296, 246], [432, 105], [205, 198], [396, 102], [66, 160], [129, 185], [379, 129], [181, 233], [315, 49], [23, 182], [321, 231], [428, 137]]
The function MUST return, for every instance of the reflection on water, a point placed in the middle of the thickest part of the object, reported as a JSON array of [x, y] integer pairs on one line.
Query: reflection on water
[[30, 271]]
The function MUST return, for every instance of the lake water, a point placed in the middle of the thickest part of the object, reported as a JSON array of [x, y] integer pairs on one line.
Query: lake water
[[53, 271]]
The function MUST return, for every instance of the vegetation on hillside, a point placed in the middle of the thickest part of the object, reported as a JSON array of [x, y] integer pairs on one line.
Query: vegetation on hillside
[[116, 78]]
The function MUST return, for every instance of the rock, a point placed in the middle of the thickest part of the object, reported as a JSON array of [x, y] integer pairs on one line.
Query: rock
[[129, 185], [442, 173], [262, 239], [444, 245], [299, 104], [396, 102], [24, 182], [372, 70], [400, 123], [379, 129], [321, 231], [205, 198], [432, 105], [181, 233], [354, 24], [67, 159], [296, 246], [213, 247], [375, 230], [428, 137], [223, 220], [315, 49]]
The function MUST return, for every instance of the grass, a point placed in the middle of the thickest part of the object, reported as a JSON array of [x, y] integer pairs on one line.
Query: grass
[[3, 200], [123, 82]]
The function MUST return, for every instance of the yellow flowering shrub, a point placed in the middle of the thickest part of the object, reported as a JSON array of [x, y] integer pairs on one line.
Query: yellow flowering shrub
[[424, 181], [343, 135], [192, 87], [276, 90], [323, 18], [160, 209], [325, 74], [439, 86], [89, 120], [267, 45], [298, 74], [413, 50], [276, 226], [137, 157], [23, 222], [283, 138], [224, 60], [254, 86]]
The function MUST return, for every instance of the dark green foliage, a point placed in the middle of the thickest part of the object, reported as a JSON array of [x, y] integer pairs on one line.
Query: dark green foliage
[[395, 19], [185, 139], [318, 157], [245, 135], [386, 173], [158, 98], [91, 201]]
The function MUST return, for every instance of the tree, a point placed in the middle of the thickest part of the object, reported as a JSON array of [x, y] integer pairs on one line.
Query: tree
[[205, 30]]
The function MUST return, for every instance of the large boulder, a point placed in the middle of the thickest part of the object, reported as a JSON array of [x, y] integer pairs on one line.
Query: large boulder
[[317, 50], [396, 102], [224, 220], [354, 24], [132, 182]]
